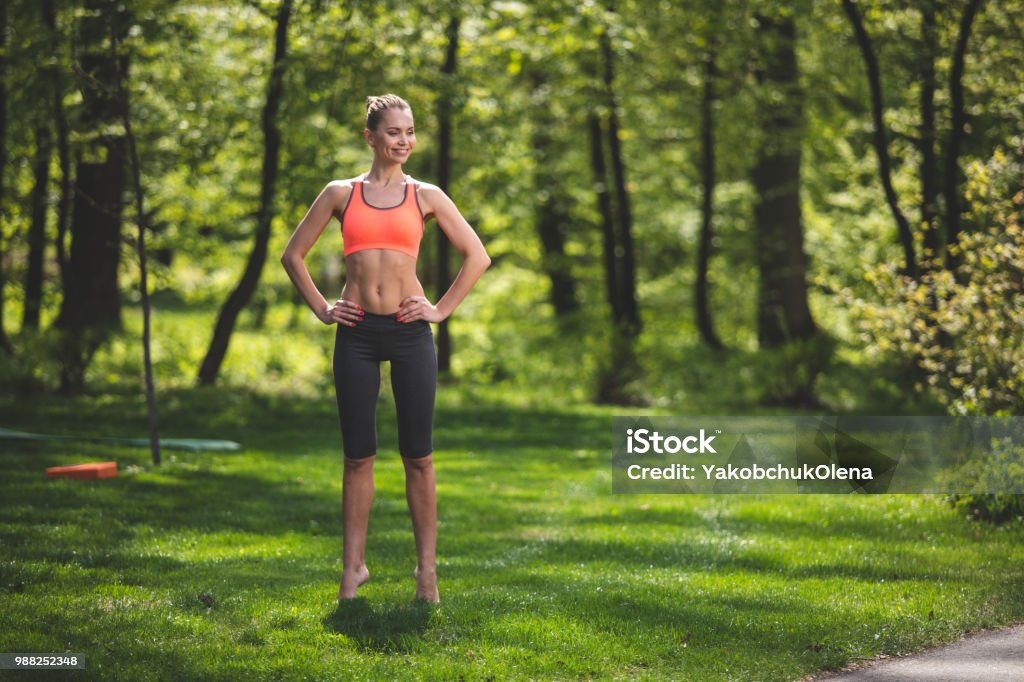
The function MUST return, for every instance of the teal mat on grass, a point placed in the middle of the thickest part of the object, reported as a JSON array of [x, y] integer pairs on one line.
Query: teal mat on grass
[[192, 444]]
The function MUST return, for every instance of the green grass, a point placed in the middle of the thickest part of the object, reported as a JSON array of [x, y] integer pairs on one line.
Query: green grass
[[544, 573]]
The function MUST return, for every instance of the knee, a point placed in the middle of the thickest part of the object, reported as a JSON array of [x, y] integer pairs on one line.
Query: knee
[[418, 465], [362, 465]]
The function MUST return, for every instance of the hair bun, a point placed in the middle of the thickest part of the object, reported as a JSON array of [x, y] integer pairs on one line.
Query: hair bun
[[377, 104]]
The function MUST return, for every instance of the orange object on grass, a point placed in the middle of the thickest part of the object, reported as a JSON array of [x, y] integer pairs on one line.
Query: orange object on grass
[[84, 471]]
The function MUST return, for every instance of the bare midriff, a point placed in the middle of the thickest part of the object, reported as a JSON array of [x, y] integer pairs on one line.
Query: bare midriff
[[379, 279]]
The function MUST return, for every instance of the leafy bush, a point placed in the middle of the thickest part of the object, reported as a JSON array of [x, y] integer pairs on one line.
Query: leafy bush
[[964, 329], [786, 375], [1004, 470], [45, 360]]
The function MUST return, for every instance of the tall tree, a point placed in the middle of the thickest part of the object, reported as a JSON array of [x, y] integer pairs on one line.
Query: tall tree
[[552, 210], [604, 210], [5, 343], [620, 367], [37, 226], [92, 302], [958, 129], [62, 142], [929, 167], [620, 364], [243, 292], [625, 259], [707, 170], [783, 313], [444, 170], [939, 175], [141, 219], [880, 137]]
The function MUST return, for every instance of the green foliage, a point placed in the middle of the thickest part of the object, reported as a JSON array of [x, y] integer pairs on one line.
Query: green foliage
[[505, 334], [964, 330], [198, 78], [33, 367], [786, 375], [1003, 471]]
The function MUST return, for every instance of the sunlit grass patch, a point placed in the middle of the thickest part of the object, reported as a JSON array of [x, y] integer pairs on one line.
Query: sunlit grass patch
[[225, 565]]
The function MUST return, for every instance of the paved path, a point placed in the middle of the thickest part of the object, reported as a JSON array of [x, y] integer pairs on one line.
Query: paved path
[[996, 655]]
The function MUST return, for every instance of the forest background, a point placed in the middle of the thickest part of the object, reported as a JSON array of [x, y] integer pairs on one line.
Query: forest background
[[761, 202], [734, 207]]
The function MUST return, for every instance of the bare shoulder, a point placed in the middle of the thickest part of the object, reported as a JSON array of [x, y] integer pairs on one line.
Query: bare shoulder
[[337, 193], [425, 186], [341, 188], [431, 196]]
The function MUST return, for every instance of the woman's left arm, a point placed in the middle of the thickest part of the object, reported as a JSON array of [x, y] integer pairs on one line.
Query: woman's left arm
[[474, 259]]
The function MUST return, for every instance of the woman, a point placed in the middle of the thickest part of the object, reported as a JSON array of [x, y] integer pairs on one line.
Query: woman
[[383, 315]]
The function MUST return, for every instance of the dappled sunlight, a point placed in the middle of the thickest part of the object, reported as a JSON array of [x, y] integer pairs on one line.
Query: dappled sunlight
[[540, 567]]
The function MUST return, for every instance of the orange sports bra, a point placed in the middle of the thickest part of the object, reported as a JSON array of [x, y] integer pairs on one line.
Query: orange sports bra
[[399, 227]]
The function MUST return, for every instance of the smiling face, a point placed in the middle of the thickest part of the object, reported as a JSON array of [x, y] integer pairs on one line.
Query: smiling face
[[395, 136]]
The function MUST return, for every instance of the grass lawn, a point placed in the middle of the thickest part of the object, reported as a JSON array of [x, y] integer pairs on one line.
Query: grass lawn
[[225, 566]]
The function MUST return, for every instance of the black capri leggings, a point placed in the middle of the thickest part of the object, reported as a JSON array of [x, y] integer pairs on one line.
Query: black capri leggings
[[358, 352]]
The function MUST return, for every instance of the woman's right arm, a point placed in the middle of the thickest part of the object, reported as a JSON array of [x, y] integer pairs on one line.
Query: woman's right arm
[[331, 200]]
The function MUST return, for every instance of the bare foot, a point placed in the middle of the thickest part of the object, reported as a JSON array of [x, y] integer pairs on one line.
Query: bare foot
[[350, 582], [426, 585]]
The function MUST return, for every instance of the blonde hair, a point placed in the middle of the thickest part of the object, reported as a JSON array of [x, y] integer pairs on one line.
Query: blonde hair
[[377, 104]]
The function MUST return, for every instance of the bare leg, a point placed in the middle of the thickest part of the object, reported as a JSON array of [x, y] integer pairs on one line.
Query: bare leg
[[356, 497], [421, 496]]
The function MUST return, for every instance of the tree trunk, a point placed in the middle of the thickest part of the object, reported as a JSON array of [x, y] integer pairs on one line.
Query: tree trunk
[[929, 168], [623, 213], [553, 221], [783, 314], [707, 166], [242, 293], [92, 302], [619, 368], [5, 343], [37, 228], [620, 365], [92, 298], [957, 132], [604, 209], [444, 168], [881, 144], [140, 244], [63, 147], [553, 204]]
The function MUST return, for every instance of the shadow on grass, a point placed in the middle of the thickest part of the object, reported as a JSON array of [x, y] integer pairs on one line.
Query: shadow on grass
[[394, 628], [292, 425], [545, 557], [203, 499]]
